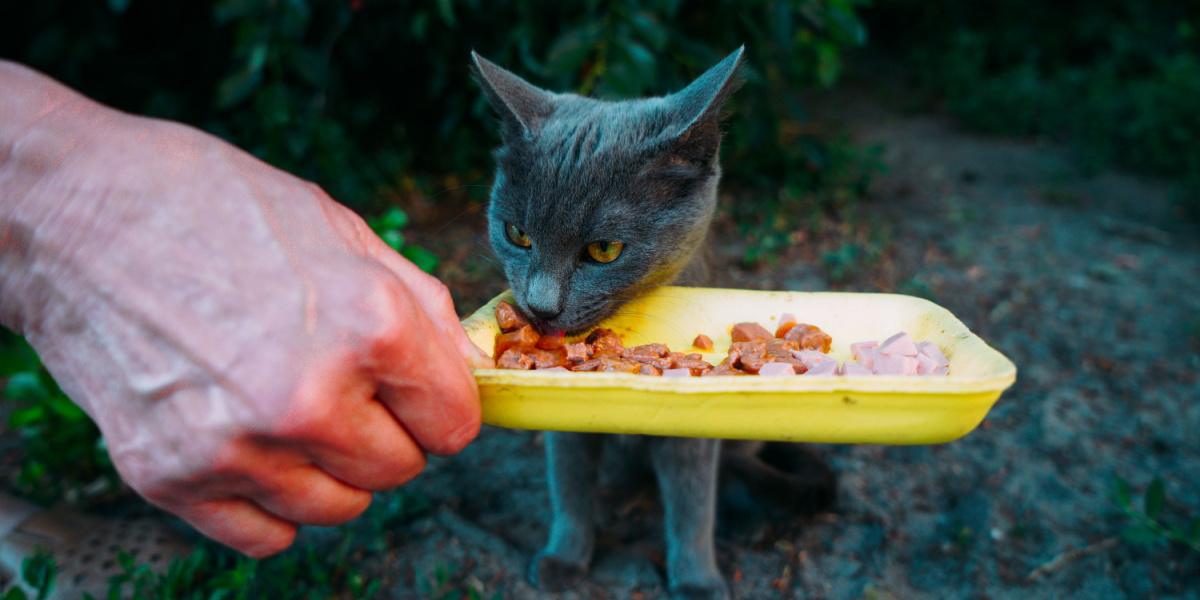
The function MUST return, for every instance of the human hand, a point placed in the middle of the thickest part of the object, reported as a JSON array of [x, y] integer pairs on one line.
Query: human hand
[[254, 355]]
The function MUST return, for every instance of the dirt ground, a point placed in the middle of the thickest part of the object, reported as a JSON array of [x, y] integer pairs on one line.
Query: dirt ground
[[1089, 282]]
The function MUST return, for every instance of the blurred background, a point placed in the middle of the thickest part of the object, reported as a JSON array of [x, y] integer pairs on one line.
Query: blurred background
[[1034, 167]]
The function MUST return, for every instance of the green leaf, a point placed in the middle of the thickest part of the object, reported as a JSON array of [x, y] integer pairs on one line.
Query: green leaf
[[1139, 535], [26, 416], [1155, 498], [1122, 493], [446, 9], [394, 218], [27, 387], [424, 259], [237, 87], [393, 238]]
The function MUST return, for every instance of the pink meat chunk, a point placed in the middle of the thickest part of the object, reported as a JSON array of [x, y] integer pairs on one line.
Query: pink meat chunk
[[886, 364], [827, 367], [931, 350], [853, 368], [810, 358], [900, 344], [941, 371], [677, 373], [925, 365], [864, 352], [777, 369]]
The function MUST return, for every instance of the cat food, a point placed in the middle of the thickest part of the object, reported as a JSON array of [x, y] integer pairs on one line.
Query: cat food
[[793, 349]]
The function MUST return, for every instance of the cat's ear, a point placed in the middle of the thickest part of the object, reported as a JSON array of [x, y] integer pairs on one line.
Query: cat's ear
[[693, 133], [522, 106]]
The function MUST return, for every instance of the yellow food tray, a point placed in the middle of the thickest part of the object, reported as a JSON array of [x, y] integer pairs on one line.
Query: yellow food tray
[[828, 409]]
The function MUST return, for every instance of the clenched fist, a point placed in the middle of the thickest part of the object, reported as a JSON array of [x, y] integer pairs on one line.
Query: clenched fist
[[254, 355]]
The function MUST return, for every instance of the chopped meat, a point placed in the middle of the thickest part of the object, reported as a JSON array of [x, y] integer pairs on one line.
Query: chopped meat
[[545, 359], [677, 373], [750, 332], [786, 322], [748, 356], [828, 367], [898, 345], [649, 370], [853, 368], [587, 365], [552, 341], [524, 338], [648, 351], [703, 342], [931, 350], [577, 352], [810, 337], [864, 352], [776, 369], [660, 363], [694, 356], [605, 343], [697, 366], [925, 365], [508, 318], [609, 364], [888, 364], [723, 369], [513, 358]]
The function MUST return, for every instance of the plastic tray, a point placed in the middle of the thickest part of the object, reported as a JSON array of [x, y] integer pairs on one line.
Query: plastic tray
[[828, 409]]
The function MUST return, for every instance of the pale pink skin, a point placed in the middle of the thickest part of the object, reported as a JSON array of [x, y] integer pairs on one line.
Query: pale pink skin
[[255, 356]]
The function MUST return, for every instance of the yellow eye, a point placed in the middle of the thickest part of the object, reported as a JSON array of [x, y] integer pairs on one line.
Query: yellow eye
[[604, 252], [516, 236]]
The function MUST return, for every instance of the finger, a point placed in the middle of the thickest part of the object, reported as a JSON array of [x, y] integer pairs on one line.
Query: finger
[[424, 381], [305, 495], [241, 525], [367, 448], [436, 302]]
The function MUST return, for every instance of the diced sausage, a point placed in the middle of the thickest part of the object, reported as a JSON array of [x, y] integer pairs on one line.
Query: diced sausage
[[508, 318], [931, 350], [786, 322], [524, 338], [898, 345], [552, 341], [648, 351], [703, 342], [605, 343], [749, 332], [513, 358], [776, 369], [544, 359], [649, 370], [810, 337], [576, 352]]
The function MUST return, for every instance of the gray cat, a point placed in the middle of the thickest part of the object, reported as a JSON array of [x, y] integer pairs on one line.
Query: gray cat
[[593, 203]]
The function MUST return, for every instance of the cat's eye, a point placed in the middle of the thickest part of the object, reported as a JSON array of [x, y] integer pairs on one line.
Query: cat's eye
[[604, 252], [516, 236]]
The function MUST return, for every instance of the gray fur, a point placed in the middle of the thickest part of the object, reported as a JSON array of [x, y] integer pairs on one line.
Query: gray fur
[[576, 170]]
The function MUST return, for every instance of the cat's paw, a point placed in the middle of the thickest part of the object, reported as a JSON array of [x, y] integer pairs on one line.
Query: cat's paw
[[550, 573], [700, 590]]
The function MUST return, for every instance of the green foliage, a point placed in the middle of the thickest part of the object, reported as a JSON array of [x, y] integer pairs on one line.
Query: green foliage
[[388, 227], [313, 570], [356, 95], [63, 455], [1117, 80], [1147, 525]]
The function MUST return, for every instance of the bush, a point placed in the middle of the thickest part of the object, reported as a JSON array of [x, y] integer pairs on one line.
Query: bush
[[358, 94]]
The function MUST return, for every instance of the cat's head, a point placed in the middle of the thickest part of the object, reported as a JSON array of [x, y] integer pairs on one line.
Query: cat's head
[[596, 201]]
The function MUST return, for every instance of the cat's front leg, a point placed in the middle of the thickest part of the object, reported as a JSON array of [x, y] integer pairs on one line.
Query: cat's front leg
[[571, 472], [687, 478]]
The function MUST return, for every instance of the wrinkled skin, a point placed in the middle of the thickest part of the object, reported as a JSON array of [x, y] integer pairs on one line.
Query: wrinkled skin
[[254, 355]]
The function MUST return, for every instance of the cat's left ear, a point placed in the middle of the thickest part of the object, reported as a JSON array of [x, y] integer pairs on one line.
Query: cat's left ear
[[522, 106], [694, 132]]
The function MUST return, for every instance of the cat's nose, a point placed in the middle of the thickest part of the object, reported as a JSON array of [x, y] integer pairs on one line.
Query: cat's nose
[[545, 313]]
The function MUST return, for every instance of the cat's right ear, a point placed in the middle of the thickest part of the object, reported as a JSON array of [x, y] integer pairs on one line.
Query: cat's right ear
[[522, 106]]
